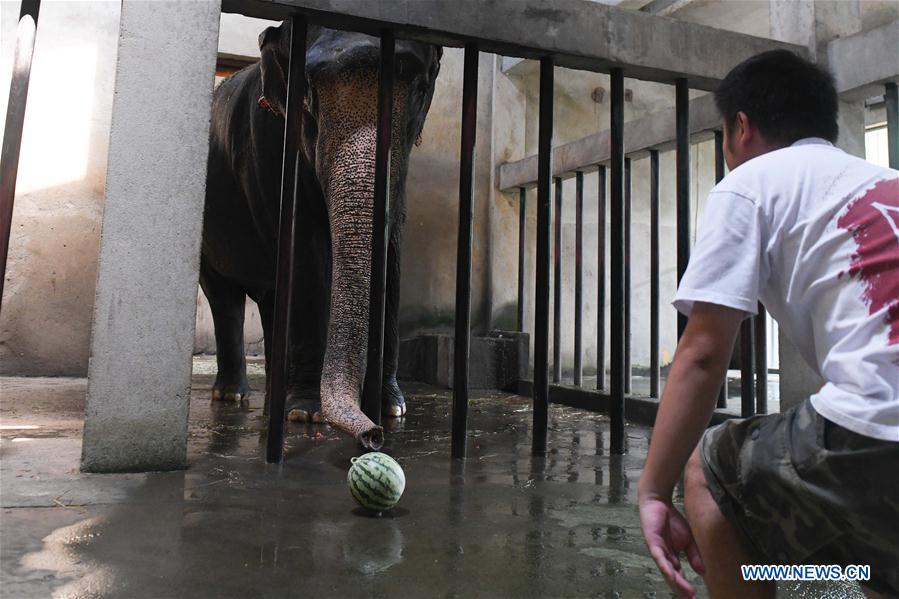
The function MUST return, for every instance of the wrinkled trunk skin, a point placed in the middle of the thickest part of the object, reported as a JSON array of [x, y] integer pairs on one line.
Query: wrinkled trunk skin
[[345, 164]]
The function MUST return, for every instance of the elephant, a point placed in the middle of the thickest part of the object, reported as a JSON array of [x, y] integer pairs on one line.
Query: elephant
[[332, 258]]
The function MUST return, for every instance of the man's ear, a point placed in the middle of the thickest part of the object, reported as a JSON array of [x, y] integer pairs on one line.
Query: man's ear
[[742, 128], [274, 83]]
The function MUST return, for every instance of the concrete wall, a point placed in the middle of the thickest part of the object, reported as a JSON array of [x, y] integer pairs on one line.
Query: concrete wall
[[51, 273], [577, 113]]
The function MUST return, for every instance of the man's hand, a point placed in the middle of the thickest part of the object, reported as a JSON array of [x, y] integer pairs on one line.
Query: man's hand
[[684, 411], [667, 535]]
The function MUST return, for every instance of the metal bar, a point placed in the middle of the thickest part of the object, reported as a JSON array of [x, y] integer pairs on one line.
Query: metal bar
[[601, 280], [616, 192], [747, 360], [761, 361], [522, 244], [541, 304], [627, 276], [719, 174], [579, 279], [682, 116], [26, 32], [374, 369], [891, 97], [654, 367], [293, 133], [557, 285], [463, 252]]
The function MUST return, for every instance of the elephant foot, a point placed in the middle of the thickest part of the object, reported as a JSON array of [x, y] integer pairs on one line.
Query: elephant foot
[[393, 404], [230, 391], [372, 438], [301, 408]]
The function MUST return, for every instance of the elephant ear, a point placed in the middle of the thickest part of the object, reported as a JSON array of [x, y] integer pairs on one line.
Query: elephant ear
[[272, 68], [424, 93]]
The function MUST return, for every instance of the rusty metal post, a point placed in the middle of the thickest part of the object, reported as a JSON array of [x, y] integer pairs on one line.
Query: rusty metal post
[[293, 132], [541, 305], [374, 369], [616, 191], [522, 245], [461, 341], [654, 368], [557, 285], [26, 33], [578, 278], [601, 280], [682, 116]]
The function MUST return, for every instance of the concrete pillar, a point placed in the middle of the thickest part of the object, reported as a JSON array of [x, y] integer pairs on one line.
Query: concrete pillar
[[144, 311], [793, 21], [813, 23]]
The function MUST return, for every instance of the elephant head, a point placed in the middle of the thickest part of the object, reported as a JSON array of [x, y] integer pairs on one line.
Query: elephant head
[[339, 138]]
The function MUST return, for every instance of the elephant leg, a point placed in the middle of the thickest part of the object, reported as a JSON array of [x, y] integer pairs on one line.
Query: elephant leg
[[309, 317], [266, 306], [393, 404], [303, 403], [227, 304], [307, 352]]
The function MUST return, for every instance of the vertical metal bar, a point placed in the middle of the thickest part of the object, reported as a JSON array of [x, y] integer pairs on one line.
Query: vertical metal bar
[[747, 359], [579, 279], [654, 368], [374, 369], [26, 32], [719, 174], [293, 133], [601, 280], [522, 244], [616, 192], [682, 117], [891, 97], [541, 307], [463, 251], [761, 361], [627, 276], [557, 285]]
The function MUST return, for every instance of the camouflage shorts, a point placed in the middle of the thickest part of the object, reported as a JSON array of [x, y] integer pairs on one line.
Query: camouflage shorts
[[802, 489]]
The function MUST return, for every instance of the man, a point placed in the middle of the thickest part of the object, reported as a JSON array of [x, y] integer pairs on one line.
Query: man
[[814, 234]]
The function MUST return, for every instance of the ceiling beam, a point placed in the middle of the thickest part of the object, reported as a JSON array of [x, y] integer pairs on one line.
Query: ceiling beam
[[580, 34]]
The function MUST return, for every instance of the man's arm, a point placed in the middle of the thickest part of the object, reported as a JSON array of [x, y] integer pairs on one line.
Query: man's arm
[[686, 407], [689, 399]]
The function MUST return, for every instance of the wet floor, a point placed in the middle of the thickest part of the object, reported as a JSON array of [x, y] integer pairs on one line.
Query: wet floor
[[501, 524]]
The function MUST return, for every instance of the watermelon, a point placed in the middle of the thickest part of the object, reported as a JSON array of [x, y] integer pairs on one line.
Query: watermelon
[[376, 481]]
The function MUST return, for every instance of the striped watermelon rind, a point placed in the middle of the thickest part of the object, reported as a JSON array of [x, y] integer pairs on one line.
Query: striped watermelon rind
[[376, 481]]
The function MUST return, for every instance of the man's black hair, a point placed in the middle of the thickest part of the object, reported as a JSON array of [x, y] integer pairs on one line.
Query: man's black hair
[[787, 97]]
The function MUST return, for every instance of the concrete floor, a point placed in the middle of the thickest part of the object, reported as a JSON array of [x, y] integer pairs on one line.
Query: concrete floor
[[504, 524]]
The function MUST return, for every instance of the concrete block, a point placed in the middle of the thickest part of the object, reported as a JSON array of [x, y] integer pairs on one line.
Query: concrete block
[[143, 325], [497, 361]]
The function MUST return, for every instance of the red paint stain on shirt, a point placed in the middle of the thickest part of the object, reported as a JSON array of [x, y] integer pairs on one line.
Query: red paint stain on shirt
[[873, 220]]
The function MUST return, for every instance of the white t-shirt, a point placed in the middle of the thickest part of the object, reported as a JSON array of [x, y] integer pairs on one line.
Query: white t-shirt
[[813, 233]]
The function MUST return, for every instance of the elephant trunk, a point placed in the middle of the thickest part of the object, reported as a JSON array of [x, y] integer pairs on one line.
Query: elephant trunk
[[345, 163]]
